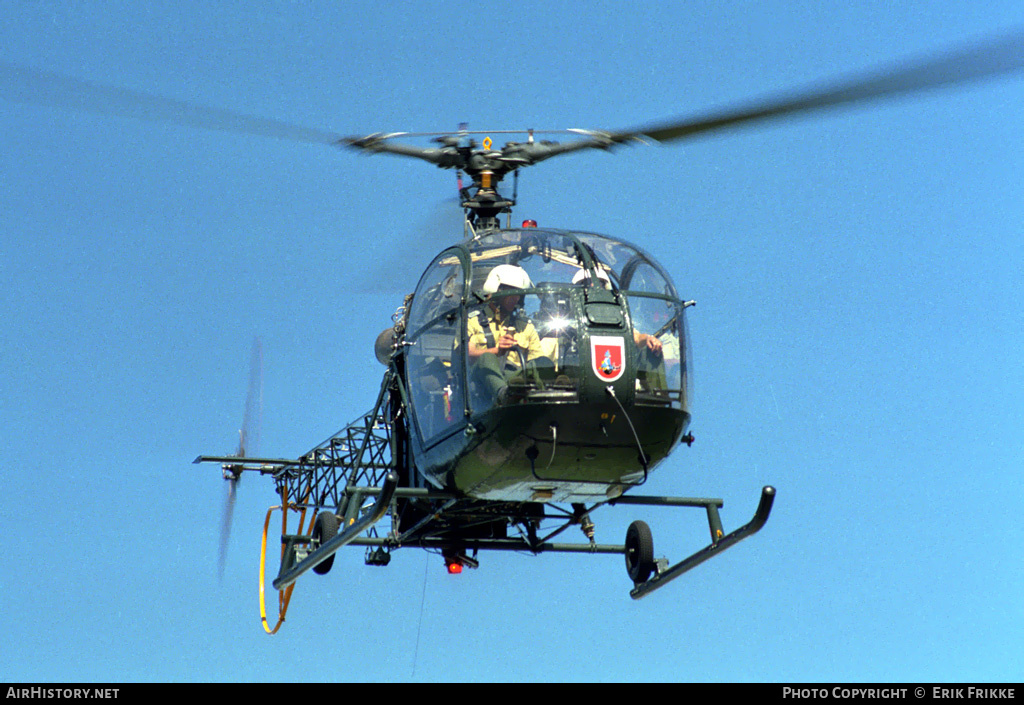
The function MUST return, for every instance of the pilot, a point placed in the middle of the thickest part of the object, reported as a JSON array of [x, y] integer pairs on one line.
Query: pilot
[[500, 336], [642, 340]]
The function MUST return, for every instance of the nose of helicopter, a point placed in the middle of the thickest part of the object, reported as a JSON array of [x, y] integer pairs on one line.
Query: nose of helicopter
[[581, 452]]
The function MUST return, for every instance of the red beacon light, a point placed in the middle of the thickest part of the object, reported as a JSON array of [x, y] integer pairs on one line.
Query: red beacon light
[[455, 562], [530, 223]]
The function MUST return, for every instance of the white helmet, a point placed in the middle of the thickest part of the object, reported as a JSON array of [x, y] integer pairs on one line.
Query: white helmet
[[507, 275], [584, 276]]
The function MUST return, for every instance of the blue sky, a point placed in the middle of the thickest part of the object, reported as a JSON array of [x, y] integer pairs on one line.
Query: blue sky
[[858, 338]]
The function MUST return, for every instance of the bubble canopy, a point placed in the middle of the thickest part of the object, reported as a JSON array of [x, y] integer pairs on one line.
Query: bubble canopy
[[456, 320], [549, 257]]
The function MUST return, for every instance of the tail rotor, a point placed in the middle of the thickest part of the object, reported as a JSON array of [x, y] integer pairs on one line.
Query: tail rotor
[[248, 441]]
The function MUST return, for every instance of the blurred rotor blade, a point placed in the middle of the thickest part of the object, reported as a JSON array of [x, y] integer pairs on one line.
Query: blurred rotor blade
[[20, 84], [225, 526], [984, 59], [249, 434], [248, 442], [439, 225]]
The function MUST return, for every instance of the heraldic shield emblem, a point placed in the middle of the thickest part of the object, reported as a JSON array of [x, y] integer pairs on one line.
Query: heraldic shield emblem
[[607, 356]]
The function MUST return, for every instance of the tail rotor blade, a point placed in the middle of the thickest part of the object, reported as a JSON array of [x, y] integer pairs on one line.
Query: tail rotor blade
[[249, 434], [225, 527]]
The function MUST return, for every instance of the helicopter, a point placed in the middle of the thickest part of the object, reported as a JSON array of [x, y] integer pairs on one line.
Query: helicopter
[[533, 376], [474, 446]]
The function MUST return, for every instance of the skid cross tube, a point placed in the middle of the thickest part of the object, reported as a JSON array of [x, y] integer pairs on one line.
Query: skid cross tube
[[329, 548], [516, 545], [764, 508]]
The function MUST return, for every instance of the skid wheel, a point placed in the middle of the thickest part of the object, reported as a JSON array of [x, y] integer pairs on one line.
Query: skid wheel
[[325, 529], [639, 552]]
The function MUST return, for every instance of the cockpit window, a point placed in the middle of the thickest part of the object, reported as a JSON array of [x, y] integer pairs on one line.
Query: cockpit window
[[630, 267], [435, 363], [547, 257], [642, 276], [439, 290], [659, 330]]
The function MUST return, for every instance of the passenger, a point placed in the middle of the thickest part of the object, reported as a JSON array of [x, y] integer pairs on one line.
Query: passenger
[[501, 338], [642, 340]]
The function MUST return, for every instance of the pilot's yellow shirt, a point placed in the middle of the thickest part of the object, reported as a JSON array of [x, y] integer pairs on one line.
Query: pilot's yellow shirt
[[525, 336]]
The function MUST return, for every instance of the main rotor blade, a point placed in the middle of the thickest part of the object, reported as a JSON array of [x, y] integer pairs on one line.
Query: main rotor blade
[[33, 86], [982, 60], [439, 224]]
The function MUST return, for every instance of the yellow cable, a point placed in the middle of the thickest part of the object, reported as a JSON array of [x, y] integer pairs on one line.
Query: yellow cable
[[283, 596], [263, 565]]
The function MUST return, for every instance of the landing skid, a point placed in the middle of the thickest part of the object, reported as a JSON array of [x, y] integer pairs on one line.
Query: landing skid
[[290, 573], [664, 573], [647, 574]]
